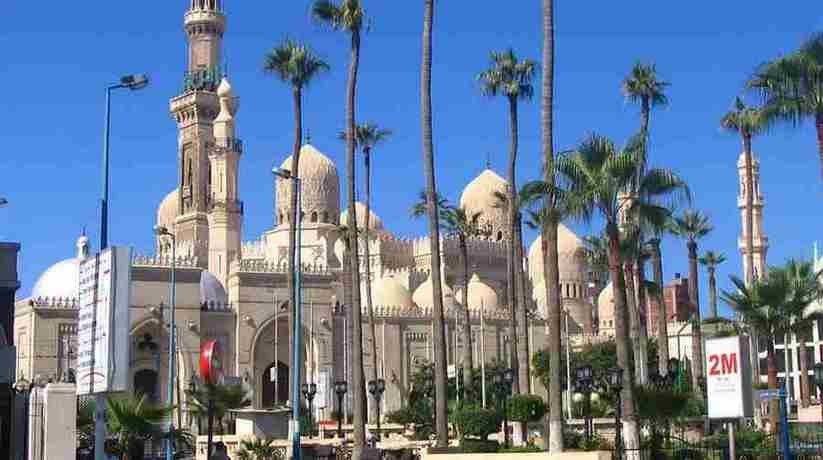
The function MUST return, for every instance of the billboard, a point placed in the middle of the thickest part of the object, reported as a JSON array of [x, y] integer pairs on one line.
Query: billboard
[[728, 378], [103, 322]]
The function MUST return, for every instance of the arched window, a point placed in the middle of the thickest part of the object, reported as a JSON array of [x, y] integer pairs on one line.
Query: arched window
[[314, 216], [145, 382], [499, 235]]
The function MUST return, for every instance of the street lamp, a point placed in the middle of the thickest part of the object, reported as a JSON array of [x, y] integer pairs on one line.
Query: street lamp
[[22, 388], [376, 388], [340, 390], [309, 390], [585, 387], [503, 380], [297, 331], [162, 231], [615, 383]]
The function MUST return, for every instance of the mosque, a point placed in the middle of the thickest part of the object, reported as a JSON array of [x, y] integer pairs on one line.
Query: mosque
[[235, 291]]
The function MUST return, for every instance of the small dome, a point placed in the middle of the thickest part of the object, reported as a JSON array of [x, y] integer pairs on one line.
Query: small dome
[[375, 223], [320, 192], [60, 280], [478, 196], [167, 211], [211, 289], [605, 305], [224, 90], [389, 292], [480, 295], [424, 295], [569, 250]]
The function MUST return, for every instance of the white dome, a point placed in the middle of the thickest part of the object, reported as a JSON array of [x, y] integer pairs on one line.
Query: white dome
[[480, 295], [570, 257], [224, 89], [211, 289], [320, 190], [60, 280], [375, 223], [167, 211], [424, 294], [389, 292], [478, 196], [605, 304]]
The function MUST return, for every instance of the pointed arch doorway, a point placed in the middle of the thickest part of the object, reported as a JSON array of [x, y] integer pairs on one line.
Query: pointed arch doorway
[[275, 390]]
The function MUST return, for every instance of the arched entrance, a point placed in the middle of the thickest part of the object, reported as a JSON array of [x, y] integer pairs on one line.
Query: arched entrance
[[281, 385], [145, 382]]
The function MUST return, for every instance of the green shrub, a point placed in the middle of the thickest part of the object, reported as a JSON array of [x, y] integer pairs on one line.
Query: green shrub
[[521, 450], [476, 421], [526, 408], [479, 446]]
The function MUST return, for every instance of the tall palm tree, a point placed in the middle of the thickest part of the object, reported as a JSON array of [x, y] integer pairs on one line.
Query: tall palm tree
[[643, 86], [548, 231], [349, 17], [774, 306], [748, 122], [662, 314], [131, 420], [692, 226], [511, 78], [296, 64], [595, 176], [427, 150], [630, 252], [367, 136], [792, 87], [803, 274], [711, 260]]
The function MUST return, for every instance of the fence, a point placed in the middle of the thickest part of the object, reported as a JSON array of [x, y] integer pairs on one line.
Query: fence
[[803, 446]]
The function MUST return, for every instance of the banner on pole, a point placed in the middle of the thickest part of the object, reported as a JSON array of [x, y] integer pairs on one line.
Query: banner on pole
[[728, 378]]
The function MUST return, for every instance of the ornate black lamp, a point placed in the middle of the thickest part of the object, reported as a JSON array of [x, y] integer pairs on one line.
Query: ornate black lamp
[[614, 379], [309, 391], [502, 381], [376, 389], [585, 385], [340, 388]]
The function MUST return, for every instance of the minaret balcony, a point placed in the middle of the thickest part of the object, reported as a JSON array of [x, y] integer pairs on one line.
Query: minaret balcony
[[231, 144], [206, 79]]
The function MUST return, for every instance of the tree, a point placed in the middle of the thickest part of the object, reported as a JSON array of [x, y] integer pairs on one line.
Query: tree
[[595, 175], [225, 398], [511, 78], [792, 87], [349, 17], [132, 420], [711, 260], [643, 86], [748, 122], [367, 136], [803, 274], [427, 150], [693, 226], [662, 320], [257, 449], [775, 306]]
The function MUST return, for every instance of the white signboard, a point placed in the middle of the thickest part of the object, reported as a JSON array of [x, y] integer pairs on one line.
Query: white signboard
[[728, 378], [320, 399], [103, 323]]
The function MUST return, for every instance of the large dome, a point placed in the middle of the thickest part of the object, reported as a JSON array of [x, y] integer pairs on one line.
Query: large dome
[[480, 295], [605, 307], [570, 254], [167, 211], [211, 289], [375, 223], [60, 280], [424, 294], [389, 292], [320, 191], [478, 196]]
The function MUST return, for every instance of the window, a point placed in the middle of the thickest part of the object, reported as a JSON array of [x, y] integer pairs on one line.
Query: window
[[325, 217], [314, 216], [499, 236]]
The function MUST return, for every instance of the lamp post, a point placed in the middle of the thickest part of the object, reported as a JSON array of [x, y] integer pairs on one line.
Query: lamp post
[[503, 380], [309, 391], [162, 231], [22, 388], [585, 386], [376, 388], [340, 388], [285, 174], [615, 384], [818, 381], [134, 83]]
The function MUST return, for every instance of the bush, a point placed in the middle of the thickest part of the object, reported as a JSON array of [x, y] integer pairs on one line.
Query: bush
[[526, 408], [476, 421], [479, 446], [575, 440], [419, 415], [521, 450]]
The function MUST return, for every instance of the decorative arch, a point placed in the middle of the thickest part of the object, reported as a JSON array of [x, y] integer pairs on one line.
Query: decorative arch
[[262, 358]]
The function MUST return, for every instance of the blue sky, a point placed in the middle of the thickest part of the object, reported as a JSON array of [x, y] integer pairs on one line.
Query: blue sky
[[57, 60]]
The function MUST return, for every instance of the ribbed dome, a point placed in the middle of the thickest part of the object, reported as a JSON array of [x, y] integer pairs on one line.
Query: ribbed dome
[[605, 304], [320, 192], [424, 295], [480, 294], [211, 289], [167, 211], [478, 196], [375, 223], [60, 280], [569, 250], [389, 292]]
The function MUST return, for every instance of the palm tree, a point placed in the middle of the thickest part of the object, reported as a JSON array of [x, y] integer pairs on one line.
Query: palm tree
[[367, 136], [297, 65], [512, 78], [711, 260], [792, 87], [748, 122], [642, 85], [257, 449], [348, 16], [693, 226], [630, 252], [548, 231], [774, 307], [595, 176], [662, 320], [132, 420], [441, 424], [224, 397], [802, 274]]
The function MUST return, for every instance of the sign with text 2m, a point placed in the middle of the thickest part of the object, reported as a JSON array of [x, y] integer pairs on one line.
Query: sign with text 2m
[[728, 378], [103, 322]]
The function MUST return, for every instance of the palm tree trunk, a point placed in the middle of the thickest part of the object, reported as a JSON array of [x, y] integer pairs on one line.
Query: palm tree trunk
[[467, 325], [645, 110], [662, 319], [642, 316], [358, 383], [631, 435], [440, 411], [697, 340], [634, 321], [523, 352], [713, 292], [804, 369], [513, 243], [367, 256], [749, 212], [293, 209], [818, 123], [771, 369]]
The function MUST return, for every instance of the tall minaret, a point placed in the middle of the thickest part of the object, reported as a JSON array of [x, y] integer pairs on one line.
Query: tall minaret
[[195, 110], [225, 218], [761, 242]]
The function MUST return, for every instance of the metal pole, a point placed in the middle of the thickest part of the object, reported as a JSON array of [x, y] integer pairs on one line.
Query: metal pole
[[456, 368], [482, 354], [296, 454], [732, 453], [172, 349], [276, 369], [210, 432], [568, 370], [340, 415]]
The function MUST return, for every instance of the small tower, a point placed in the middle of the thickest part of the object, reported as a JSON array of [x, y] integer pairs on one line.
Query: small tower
[[194, 111], [226, 212], [761, 242]]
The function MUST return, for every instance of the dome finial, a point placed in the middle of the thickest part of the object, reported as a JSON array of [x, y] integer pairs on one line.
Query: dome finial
[[308, 136], [488, 160]]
